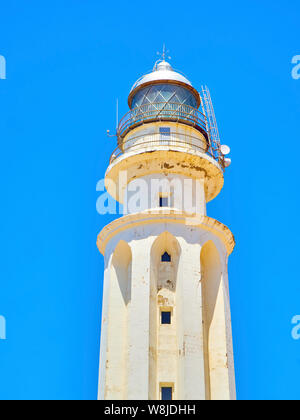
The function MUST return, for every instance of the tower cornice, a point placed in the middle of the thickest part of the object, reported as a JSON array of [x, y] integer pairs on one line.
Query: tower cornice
[[160, 159], [166, 216]]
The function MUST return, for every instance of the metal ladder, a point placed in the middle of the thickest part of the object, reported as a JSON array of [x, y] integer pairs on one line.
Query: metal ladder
[[211, 123]]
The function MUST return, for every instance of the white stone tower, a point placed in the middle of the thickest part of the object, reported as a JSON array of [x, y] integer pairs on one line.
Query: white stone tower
[[166, 326]]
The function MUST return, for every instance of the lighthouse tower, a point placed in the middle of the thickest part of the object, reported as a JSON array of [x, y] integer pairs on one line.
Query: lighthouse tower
[[166, 325]]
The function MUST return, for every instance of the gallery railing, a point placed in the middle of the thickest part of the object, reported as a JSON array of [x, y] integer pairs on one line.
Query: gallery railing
[[161, 111], [175, 141]]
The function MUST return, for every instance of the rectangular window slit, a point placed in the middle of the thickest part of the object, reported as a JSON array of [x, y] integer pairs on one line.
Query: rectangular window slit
[[165, 317], [166, 393], [163, 201]]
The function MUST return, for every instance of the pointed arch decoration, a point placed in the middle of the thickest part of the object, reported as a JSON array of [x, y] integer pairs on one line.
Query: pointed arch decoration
[[117, 336], [214, 319], [163, 280]]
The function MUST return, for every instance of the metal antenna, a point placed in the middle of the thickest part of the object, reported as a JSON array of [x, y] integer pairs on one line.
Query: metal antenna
[[117, 122], [164, 53], [117, 117]]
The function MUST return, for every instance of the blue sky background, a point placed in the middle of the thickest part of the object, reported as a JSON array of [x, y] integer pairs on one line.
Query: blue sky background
[[67, 62]]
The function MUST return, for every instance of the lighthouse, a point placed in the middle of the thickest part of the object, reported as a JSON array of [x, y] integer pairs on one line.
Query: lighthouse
[[166, 325]]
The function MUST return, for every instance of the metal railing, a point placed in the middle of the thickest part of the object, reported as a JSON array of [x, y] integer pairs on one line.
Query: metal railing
[[161, 111], [175, 141]]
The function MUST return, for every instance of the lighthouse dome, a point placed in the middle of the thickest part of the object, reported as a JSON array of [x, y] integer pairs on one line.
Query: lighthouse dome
[[164, 78], [162, 71]]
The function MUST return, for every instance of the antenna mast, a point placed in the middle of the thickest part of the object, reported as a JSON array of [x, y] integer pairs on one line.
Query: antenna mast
[[163, 55], [117, 115]]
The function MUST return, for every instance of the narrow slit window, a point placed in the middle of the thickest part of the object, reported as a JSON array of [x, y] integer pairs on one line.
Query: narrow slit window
[[166, 393], [166, 257], [165, 317]]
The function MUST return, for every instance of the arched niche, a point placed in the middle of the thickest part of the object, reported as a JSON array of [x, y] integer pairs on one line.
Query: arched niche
[[163, 340], [117, 341], [214, 322], [121, 267], [165, 244]]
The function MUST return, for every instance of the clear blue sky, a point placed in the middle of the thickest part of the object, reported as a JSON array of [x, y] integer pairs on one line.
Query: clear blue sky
[[67, 62]]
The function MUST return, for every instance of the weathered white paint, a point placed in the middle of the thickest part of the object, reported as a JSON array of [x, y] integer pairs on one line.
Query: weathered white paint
[[184, 154], [139, 323], [119, 296], [183, 193], [173, 354], [182, 136], [104, 334], [193, 383]]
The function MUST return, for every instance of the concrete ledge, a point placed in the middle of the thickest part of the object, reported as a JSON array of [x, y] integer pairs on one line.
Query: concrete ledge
[[165, 216], [147, 161]]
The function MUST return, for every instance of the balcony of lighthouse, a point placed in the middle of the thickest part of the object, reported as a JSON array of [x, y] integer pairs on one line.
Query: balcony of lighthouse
[[165, 126], [167, 148], [161, 136]]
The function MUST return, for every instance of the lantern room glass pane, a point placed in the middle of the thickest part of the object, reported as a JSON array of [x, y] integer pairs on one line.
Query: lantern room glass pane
[[164, 93]]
